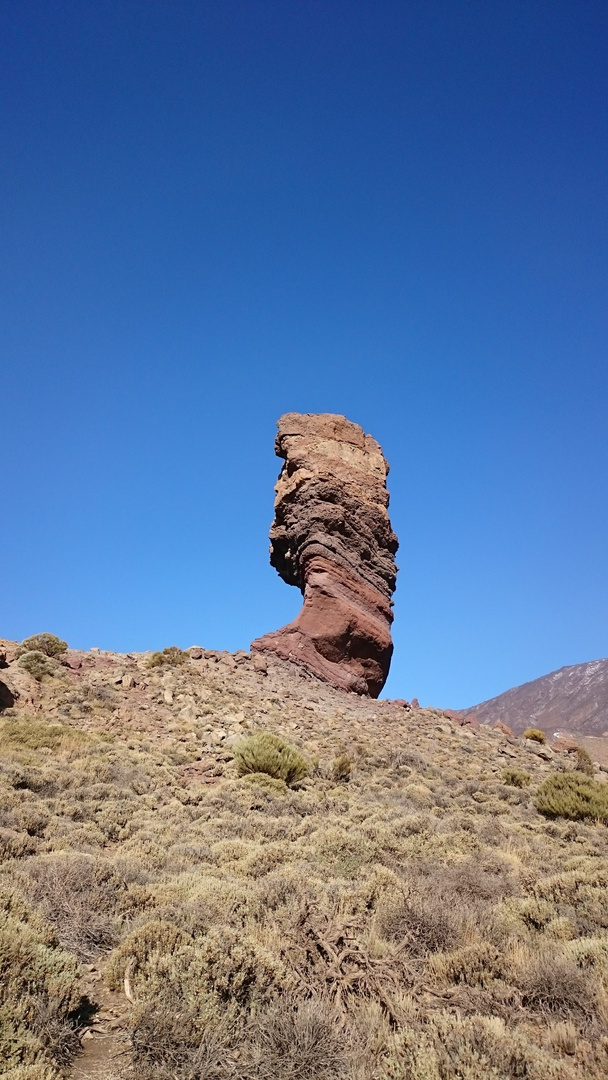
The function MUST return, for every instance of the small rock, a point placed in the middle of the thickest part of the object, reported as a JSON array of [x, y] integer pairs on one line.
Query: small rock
[[168, 697], [539, 750], [189, 713], [260, 664], [504, 728], [216, 736], [196, 653]]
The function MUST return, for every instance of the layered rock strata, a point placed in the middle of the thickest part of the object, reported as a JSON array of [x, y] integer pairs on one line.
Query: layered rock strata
[[332, 537]]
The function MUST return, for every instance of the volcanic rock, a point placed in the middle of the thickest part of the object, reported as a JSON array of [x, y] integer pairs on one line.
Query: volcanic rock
[[573, 699], [332, 537]]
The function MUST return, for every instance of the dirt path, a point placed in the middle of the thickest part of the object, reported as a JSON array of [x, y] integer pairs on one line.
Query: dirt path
[[105, 1042]]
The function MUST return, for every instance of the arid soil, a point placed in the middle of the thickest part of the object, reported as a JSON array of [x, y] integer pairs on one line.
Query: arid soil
[[404, 913]]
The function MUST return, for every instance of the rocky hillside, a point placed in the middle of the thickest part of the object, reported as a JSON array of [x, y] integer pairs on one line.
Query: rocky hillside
[[574, 699], [397, 907]]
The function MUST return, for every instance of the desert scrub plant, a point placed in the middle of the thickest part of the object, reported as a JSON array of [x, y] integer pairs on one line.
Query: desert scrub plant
[[573, 795], [516, 778], [584, 762], [172, 656], [341, 769], [270, 754], [39, 988], [224, 965], [535, 734], [77, 894], [37, 664], [49, 644]]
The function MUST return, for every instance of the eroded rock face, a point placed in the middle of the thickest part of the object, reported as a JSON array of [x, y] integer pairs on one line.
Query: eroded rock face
[[332, 537]]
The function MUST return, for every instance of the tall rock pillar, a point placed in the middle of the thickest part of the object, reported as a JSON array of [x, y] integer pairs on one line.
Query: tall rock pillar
[[332, 537]]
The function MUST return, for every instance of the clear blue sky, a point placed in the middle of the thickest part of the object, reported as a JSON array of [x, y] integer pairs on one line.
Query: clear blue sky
[[213, 213]]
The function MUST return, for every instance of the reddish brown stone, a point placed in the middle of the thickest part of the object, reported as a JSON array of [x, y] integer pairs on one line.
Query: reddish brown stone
[[564, 743], [332, 538], [499, 726], [470, 721], [453, 714]]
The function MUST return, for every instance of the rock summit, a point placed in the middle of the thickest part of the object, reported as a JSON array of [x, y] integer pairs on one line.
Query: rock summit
[[332, 537]]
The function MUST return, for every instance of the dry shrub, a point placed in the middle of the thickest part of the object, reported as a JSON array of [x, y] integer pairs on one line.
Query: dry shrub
[[573, 795], [424, 923], [270, 754], [472, 1048], [474, 965], [535, 734], [584, 762], [48, 644], [37, 664], [341, 769], [552, 983], [28, 733], [32, 1072], [39, 988], [269, 784], [224, 965], [563, 1037], [172, 656], [78, 895], [297, 1040], [170, 1042], [516, 778], [58, 1034]]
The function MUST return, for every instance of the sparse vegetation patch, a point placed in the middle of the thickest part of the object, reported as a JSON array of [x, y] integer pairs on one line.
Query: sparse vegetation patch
[[250, 918], [573, 795], [535, 734], [172, 656], [49, 644], [270, 754]]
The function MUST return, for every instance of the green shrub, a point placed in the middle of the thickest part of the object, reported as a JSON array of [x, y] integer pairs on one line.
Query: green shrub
[[37, 664], [49, 644], [341, 769], [573, 795], [584, 762], [516, 778], [172, 655], [535, 734], [266, 753]]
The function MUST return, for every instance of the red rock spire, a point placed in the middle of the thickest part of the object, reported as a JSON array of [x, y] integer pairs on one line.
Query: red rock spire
[[332, 537]]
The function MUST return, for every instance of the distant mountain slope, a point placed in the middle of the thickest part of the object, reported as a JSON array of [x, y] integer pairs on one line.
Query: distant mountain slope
[[574, 698]]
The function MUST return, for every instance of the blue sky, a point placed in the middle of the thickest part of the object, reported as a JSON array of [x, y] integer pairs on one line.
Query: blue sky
[[214, 213]]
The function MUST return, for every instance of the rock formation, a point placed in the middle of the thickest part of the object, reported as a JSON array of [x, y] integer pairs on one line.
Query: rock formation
[[332, 537]]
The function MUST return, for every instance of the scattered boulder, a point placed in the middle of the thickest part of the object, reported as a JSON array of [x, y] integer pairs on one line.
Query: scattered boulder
[[504, 728], [332, 537], [7, 697]]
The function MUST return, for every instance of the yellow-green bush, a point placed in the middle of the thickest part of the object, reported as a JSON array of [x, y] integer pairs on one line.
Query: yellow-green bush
[[224, 965], [270, 754], [535, 734], [39, 987], [516, 778], [341, 769], [573, 795], [49, 644], [172, 656], [37, 664]]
